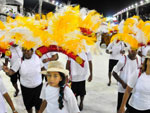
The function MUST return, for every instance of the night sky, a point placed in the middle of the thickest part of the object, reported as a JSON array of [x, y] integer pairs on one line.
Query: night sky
[[106, 7]]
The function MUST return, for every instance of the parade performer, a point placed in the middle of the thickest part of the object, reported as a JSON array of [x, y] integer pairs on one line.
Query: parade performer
[[16, 54], [116, 49], [126, 65], [56, 96], [139, 101], [30, 78], [79, 75], [4, 94]]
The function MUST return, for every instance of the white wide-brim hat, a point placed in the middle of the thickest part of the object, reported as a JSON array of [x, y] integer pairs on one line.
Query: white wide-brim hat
[[148, 54], [56, 66]]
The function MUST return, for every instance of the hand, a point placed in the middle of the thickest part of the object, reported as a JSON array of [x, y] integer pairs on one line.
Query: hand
[[121, 110], [122, 52], [124, 85], [5, 68], [90, 78]]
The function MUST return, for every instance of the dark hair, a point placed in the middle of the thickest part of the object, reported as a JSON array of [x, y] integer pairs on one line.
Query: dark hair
[[61, 91], [144, 67]]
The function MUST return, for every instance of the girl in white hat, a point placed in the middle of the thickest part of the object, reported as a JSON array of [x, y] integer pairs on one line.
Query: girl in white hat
[[56, 96], [140, 99]]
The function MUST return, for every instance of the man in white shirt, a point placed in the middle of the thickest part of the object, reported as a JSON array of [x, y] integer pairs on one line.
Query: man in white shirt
[[16, 54], [79, 75], [126, 66], [116, 49]]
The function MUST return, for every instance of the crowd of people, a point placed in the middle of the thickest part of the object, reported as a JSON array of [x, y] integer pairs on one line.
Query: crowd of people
[[55, 95], [44, 80], [131, 69]]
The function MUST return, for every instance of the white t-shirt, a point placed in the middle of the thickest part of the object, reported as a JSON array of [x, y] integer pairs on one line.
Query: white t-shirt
[[140, 98], [51, 95], [125, 74], [30, 71], [146, 50], [79, 73], [115, 48], [45, 56], [2, 102], [16, 53]]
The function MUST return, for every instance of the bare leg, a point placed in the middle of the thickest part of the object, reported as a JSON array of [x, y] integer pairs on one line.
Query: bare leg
[[29, 111], [17, 89], [81, 103], [109, 76], [36, 111]]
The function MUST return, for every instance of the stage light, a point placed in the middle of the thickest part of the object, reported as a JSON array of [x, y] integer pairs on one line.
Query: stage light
[[53, 2], [136, 4], [56, 3], [129, 7], [132, 6], [141, 2]]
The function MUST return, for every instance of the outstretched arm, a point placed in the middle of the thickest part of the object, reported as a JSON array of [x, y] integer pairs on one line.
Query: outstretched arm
[[53, 58], [8, 71]]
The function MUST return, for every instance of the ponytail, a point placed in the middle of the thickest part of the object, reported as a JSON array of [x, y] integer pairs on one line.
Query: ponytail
[[61, 91]]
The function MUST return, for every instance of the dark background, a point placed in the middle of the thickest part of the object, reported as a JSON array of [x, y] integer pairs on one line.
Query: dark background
[[106, 7]]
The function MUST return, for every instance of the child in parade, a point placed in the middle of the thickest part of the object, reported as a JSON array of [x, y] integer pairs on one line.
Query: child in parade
[[56, 96]]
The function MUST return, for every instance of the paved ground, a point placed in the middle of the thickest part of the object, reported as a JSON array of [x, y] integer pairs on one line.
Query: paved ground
[[99, 99]]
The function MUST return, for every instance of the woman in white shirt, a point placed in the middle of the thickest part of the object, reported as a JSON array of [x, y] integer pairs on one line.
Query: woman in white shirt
[[56, 96], [30, 78], [140, 99]]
